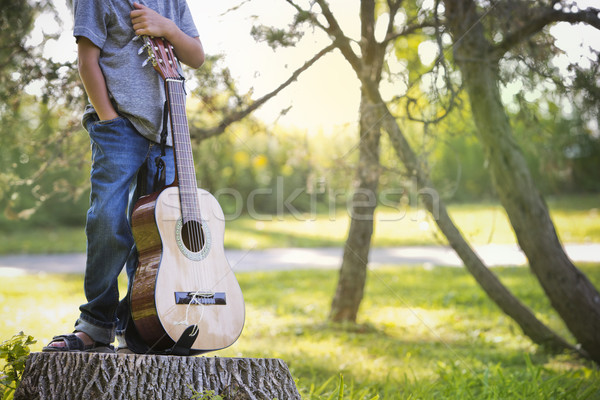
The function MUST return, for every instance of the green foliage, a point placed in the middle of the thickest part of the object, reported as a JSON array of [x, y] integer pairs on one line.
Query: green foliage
[[16, 21], [204, 395], [253, 170], [43, 166], [275, 37], [563, 154], [13, 353], [44, 160], [41, 155]]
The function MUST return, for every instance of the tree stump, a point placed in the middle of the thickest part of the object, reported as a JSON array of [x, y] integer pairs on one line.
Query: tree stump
[[81, 376]]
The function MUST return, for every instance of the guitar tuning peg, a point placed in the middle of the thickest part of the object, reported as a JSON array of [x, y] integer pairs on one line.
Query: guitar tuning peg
[[146, 61], [141, 50]]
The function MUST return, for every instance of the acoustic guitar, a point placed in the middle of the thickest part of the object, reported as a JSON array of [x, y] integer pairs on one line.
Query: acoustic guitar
[[183, 286]]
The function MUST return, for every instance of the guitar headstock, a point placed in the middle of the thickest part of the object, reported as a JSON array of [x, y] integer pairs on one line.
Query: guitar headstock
[[162, 57]]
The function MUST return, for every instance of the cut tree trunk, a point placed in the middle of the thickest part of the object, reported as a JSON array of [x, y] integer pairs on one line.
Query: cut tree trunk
[[81, 376]]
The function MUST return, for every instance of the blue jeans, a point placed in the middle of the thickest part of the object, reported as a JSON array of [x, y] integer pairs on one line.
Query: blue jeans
[[119, 153]]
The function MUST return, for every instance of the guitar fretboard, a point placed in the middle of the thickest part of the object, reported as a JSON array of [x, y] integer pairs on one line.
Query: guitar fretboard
[[184, 159]]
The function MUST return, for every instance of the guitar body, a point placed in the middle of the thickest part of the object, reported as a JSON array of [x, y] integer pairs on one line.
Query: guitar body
[[179, 284]]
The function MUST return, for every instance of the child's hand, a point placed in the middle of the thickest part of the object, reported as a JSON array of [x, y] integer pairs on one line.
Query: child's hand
[[148, 22]]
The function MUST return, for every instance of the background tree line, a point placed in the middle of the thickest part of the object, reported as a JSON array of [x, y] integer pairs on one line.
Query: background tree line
[[44, 158], [45, 162]]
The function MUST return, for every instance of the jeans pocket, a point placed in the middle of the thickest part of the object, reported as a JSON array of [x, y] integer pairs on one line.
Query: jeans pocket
[[108, 121], [99, 129]]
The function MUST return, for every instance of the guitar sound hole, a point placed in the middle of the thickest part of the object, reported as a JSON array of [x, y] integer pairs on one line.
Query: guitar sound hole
[[192, 234]]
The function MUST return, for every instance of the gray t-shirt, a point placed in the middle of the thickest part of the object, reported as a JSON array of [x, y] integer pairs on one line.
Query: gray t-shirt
[[136, 91]]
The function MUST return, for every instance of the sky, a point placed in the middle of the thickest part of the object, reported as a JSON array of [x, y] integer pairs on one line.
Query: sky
[[321, 97], [326, 96]]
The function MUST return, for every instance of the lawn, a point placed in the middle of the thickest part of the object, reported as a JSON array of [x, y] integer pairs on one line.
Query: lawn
[[577, 220], [423, 333]]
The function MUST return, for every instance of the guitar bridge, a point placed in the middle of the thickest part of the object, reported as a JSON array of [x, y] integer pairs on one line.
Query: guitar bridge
[[200, 298]]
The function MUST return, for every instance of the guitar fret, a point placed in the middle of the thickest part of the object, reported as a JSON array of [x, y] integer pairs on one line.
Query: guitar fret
[[188, 191]]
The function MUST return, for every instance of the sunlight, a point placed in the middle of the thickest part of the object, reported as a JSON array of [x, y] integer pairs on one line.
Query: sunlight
[[428, 52], [324, 97]]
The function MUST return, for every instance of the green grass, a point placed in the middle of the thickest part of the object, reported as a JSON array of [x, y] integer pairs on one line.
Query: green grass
[[28, 240], [577, 220], [422, 333]]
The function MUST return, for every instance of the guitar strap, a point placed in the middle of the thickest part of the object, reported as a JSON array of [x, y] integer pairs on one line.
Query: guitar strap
[[159, 177], [185, 343]]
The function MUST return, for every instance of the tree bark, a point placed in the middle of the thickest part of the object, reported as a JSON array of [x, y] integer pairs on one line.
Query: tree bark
[[353, 271], [570, 292], [487, 280], [82, 376]]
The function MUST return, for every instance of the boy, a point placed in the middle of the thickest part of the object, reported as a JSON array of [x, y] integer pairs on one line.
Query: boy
[[124, 122]]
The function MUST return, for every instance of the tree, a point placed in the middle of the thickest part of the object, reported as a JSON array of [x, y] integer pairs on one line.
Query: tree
[[349, 292], [41, 155], [376, 116], [572, 295]]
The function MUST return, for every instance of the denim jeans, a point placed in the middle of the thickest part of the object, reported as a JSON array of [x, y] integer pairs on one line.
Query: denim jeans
[[119, 153]]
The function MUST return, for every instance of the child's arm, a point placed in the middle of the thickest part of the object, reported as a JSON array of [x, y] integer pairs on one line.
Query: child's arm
[[146, 21], [93, 79]]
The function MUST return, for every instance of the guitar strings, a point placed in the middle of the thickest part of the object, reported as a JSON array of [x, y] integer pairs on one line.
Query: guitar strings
[[193, 301], [189, 201], [196, 237], [191, 217]]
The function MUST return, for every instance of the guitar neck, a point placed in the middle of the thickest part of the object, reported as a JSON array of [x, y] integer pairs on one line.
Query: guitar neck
[[184, 159]]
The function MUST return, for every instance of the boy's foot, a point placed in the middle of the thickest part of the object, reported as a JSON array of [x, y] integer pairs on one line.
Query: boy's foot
[[76, 342]]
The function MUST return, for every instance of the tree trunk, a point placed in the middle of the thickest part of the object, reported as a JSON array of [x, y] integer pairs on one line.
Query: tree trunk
[[374, 116], [570, 292], [82, 376], [353, 272], [491, 285]]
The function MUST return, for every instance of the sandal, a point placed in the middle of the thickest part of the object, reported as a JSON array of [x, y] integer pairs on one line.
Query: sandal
[[74, 343]]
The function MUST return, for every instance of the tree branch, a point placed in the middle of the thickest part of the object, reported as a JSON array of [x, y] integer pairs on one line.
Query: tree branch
[[368, 44], [538, 19], [301, 11], [393, 6], [339, 39], [391, 36], [590, 16], [202, 134]]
